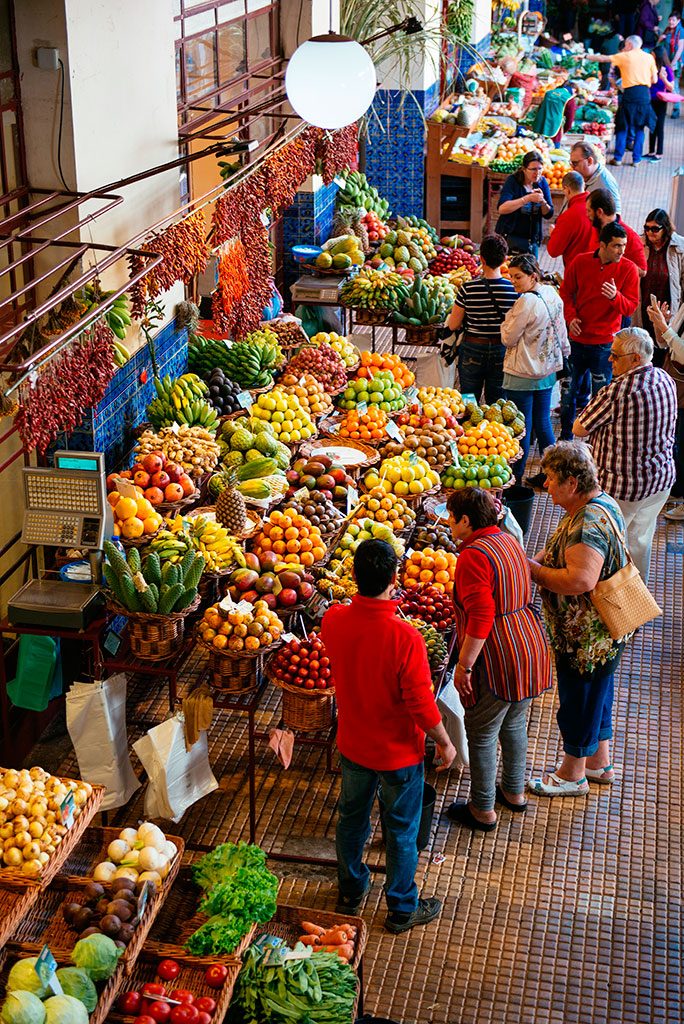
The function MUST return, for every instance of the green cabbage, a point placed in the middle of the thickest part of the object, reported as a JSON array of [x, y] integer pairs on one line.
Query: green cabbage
[[76, 982], [22, 1007], [98, 955], [65, 1010], [23, 977]]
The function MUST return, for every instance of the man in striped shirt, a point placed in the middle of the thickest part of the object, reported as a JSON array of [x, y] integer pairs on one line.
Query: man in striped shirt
[[630, 425]]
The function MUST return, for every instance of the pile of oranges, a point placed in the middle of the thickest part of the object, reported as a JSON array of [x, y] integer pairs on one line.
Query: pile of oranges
[[371, 362], [436, 567], [555, 174], [488, 438], [134, 517], [369, 426], [291, 536], [234, 630]]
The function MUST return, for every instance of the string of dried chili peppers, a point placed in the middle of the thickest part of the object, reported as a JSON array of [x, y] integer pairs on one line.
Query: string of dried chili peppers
[[185, 253]]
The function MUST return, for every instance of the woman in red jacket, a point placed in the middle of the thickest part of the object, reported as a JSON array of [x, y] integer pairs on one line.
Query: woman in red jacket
[[504, 658]]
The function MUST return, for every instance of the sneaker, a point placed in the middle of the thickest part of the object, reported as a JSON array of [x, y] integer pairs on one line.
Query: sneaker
[[352, 907], [615, 163], [536, 482], [426, 911], [676, 514]]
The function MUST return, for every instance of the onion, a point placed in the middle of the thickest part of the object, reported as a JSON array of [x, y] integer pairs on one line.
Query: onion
[[151, 835], [164, 866], [124, 873], [151, 876], [129, 835], [131, 859], [149, 859], [104, 872], [117, 850], [170, 850], [31, 868]]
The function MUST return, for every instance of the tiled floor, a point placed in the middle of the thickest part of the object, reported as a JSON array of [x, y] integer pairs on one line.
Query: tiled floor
[[571, 914]]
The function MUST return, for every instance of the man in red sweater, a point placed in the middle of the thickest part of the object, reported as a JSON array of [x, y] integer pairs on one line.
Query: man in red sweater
[[573, 233], [385, 706], [599, 289], [601, 211]]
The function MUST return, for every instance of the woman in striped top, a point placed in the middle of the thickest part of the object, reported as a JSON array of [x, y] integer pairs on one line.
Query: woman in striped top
[[504, 658]]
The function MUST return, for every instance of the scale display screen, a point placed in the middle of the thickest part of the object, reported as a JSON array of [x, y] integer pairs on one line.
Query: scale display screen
[[80, 463]]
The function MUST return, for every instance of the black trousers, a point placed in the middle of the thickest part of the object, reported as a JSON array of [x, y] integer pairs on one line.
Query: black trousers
[[656, 137]]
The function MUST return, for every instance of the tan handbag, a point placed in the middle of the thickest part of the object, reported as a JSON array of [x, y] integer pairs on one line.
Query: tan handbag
[[624, 602]]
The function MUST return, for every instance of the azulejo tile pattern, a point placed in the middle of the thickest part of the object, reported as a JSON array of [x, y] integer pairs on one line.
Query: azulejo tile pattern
[[308, 220]]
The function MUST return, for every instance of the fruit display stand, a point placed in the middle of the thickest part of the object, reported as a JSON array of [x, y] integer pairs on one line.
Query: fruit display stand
[[231, 672], [153, 637]]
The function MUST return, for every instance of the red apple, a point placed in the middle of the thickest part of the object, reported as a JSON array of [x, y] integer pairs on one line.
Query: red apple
[[305, 591], [271, 600], [153, 462]]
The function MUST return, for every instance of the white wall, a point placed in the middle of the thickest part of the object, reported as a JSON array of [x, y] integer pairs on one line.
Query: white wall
[[482, 22]]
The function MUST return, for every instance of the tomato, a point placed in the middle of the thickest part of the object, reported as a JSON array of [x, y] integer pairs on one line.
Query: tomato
[[159, 1010], [185, 1014], [215, 976], [183, 995], [204, 1018], [144, 1019], [129, 1003], [205, 1004], [168, 970], [152, 988]]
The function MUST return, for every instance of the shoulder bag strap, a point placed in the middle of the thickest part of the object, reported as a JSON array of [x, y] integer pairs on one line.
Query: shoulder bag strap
[[618, 532], [492, 296]]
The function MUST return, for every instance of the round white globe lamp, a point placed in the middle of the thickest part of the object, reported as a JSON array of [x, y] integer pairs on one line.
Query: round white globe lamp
[[330, 81]]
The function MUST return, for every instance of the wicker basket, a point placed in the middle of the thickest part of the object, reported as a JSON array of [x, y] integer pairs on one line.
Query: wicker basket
[[154, 637], [254, 523], [305, 710], [371, 317], [236, 671], [171, 507], [14, 906], [190, 976], [421, 336], [311, 447], [14, 880], [139, 542], [286, 924]]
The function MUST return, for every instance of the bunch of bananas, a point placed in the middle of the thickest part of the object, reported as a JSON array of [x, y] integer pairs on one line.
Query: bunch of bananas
[[253, 361], [220, 549], [182, 401], [117, 316]]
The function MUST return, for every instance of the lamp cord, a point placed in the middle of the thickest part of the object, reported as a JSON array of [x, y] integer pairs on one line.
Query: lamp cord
[[61, 125]]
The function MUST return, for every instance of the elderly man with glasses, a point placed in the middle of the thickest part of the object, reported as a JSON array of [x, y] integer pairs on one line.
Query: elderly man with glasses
[[630, 426], [584, 159]]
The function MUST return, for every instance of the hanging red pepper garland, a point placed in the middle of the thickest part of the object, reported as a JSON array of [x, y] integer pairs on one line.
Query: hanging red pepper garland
[[185, 251], [66, 389]]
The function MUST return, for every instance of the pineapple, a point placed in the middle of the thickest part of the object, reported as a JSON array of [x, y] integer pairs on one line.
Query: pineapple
[[230, 506]]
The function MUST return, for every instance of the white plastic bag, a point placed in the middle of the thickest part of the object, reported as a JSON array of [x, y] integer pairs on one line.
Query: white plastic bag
[[96, 720], [177, 778], [432, 371], [453, 715], [509, 524]]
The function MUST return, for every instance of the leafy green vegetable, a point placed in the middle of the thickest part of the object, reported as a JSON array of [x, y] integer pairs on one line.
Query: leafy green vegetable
[[320, 989], [23, 977], [77, 983], [65, 1010], [98, 955], [239, 891], [22, 1007]]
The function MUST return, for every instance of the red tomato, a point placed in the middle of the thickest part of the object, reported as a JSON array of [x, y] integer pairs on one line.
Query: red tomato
[[152, 988], [144, 1019], [205, 1004], [215, 976], [185, 1014], [129, 1003], [168, 970], [204, 1018], [183, 995], [159, 1010]]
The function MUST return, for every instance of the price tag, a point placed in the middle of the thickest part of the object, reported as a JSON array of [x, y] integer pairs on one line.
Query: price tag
[[361, 408], [317, 605], [112, 642], [352, 498], [409, 552], [287, 637], [438, 858], [454, 452], [302, 494], [66, 810], [413, 458], [244, 607], [411, 394], [264, 218], [45, 968], [244, 400], [143, 898], [393, 431], [340, 182], [126, 488], [467, 396]]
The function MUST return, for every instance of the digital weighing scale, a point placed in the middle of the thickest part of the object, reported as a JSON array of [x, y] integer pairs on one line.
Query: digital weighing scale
[[322, 291], [65, 506]]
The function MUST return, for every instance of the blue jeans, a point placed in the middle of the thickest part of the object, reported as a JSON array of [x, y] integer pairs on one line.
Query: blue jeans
[[401, 793], [536, 408], [481, 366], [585, 712], [583, 358], [632, 118]]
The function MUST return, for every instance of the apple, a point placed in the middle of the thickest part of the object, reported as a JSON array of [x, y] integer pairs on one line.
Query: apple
[[154, 462], [271, 600], [305, 591], [160, 479]]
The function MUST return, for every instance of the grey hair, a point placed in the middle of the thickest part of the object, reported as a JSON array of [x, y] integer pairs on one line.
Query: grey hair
[[636, 341], [636, 41], [574, 181], [572, 459], [587, 151]]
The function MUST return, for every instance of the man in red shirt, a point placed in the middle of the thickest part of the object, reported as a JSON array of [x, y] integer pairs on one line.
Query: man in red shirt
[[599, 289], [385, 707], [601, 211], [573, 232]]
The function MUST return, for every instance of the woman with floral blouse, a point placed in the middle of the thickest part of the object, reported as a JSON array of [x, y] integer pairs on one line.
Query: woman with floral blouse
[[586, 547]]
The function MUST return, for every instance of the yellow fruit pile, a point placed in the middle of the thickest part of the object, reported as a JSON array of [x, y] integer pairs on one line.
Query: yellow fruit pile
[[226, 628], [405, 474], [436, 401], [488, 438], [382, 507], [134, 517], [285, 413], [432, 566], [312, 396], [348, 353]]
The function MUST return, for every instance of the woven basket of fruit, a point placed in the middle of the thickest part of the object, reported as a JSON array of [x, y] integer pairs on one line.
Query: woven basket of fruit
[[371, 317], [421, 336], [315, 271], [238, 672], [154, 637], [237, 636], [139, 542], [253, 525], [310, 706]]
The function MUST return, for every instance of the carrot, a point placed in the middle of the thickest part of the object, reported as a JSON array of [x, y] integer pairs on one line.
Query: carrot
[[346, 952], [334, 937], [310, 940], [312, 929]]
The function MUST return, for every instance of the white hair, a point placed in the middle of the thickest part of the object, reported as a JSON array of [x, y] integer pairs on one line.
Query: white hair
[[636, 41], [636, 341]]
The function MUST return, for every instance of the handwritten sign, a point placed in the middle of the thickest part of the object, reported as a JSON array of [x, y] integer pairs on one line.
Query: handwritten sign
[[393, 431]]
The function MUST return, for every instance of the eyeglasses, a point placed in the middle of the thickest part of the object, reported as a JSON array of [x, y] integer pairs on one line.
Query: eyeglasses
[[617, 355], [653, 229], [535, 167]]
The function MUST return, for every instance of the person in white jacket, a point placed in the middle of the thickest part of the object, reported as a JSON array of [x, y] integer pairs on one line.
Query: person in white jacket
[[536, 340]]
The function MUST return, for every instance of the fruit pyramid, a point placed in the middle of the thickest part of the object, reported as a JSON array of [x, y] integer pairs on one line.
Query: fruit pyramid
[[224, 627], [285, 413], [312, 395], [292, 536], [488, 438], [405, 474], [430, 566]]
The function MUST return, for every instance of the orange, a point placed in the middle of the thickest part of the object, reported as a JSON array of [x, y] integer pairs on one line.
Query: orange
[[126, 508], [292, 545], [291, 533], [113, 498], [219, 642], [132, 528], [318, 553], [279, 547], [425, 575], [151, 524], [442, 576], [306, 558]]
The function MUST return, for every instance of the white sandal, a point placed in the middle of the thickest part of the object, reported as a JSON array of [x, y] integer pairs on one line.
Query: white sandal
[[598, 774], [557, 786]]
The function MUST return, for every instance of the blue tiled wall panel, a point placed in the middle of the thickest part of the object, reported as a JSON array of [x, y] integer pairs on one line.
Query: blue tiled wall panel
[[109, 427], [308, 221]]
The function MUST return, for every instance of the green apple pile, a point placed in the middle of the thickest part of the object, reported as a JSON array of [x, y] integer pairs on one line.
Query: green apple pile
[[381, 390], [484, 471]]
